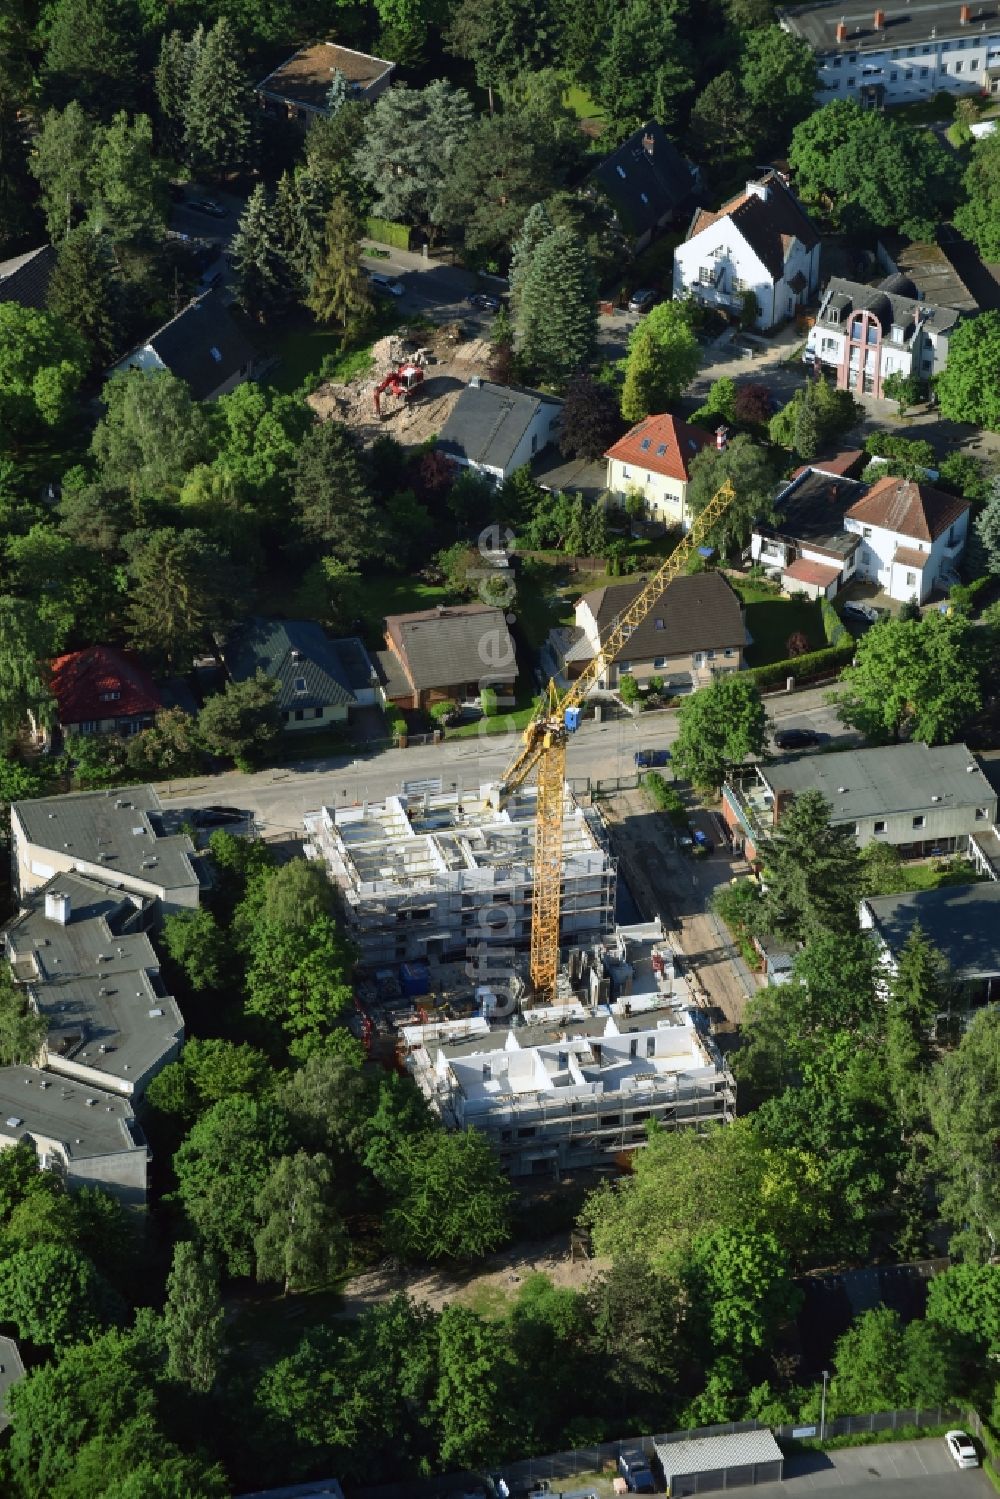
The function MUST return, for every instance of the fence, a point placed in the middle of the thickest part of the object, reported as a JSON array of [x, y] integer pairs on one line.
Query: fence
[[578, 1465]]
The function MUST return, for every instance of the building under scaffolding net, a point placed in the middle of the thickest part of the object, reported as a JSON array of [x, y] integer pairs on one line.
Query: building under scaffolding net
[[434, 875]]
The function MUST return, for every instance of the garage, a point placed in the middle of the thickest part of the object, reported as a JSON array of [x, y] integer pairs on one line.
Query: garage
[[728, 1462]]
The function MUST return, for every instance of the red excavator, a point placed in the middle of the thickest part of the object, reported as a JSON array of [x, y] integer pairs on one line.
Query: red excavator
[[403, 382]]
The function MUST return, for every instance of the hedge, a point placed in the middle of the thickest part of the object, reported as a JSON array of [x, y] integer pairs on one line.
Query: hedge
[[387, 232], [665, 798], [803, 668], [834, 629]]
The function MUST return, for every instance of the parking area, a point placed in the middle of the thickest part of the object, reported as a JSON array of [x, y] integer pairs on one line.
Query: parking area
[[902, 1470]]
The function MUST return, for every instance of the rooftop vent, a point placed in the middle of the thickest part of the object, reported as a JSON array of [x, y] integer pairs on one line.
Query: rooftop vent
[[216, 355], [43, 1082], [58, 907], [841, 790], [90, 1102], [935, 798], [14, 1123], [155, 1014]]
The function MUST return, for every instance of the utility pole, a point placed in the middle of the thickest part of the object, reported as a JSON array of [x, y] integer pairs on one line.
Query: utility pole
[[822, 1407]]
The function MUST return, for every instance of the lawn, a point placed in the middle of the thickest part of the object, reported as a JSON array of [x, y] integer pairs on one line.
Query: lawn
[[935, 874], [772, 621], [394, 593], [579, 101], [300, 351]]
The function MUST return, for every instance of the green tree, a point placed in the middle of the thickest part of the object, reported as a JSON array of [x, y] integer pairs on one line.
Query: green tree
[[82, 293], [192, 1319], [506, 163], [128, 201], [53, 1295], [905, 390], [645, 70], [339, 292], [475, 1371], [835, 988], [88, 58], [965, 1299], [536, 226], [265, 279], [963, 1099], [557, 307], [978, 218], [503, 39], [880, 1365], [968, 388], [179, 594], [217, 115], [987, 525], [663, 359], [412, 138], [20, 1178], [243, 720], [302, 1240], [685, 1184], [718, 727], [779, 78], [918, 677], [919, 991], [170, 747], [172, 81], [740, 1289], [206, 1072], [721, 124], [22, 1029], [750, 471], [637, 1330], [61, 162], [257, 437], [300, 980], [331, 496], [42, 363], [590, 420], [868, 171], [152, 433], [812, 871], [449, 1197], [24, 687], [198, 946], [220, 1169]]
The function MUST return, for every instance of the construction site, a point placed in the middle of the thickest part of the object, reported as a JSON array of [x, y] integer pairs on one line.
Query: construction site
[[415, 379]]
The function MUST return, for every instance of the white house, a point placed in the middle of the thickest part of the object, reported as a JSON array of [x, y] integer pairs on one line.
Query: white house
[[912, 537], [497, 429], [654, 460], [863, 334], [760, 241], [902, 52], [203, 345]]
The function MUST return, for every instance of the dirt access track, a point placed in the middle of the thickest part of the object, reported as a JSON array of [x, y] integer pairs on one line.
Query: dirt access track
[[678, 888], [449, 361]]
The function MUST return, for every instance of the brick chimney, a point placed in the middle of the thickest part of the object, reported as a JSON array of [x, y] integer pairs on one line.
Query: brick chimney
[[721, 437], [841, 31], [880, 20], [648, 144], [964, 15], [759, 190]]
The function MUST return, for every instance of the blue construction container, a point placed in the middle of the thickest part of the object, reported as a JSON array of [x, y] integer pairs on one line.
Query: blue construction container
[[414, 979]]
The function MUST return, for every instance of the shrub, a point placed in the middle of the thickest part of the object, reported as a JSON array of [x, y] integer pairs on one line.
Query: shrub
[[797, 644], [398, 726], [665, 798], [443, 710], [488, 702], [802, 668], [834, 629], [628, 689]]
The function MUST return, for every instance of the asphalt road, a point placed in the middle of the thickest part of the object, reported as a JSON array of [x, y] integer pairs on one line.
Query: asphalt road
[[281, 796]]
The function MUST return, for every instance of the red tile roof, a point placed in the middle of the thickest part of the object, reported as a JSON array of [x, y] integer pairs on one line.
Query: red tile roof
[[80, 679], [842, 464], [910, 557], [908, 508], [819, 574], [663, 445]]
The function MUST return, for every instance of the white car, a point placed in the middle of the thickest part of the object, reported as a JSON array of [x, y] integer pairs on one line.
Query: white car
[[959, 1444]]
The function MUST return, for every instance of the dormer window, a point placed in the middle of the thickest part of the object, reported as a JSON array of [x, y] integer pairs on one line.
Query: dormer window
[[300, 684], [833, 316], [897, 334], [110, 697]]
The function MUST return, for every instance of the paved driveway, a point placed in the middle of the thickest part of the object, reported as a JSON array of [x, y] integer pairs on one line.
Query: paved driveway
[[900, 1470]]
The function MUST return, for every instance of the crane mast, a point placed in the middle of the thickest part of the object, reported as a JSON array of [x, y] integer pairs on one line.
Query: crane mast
[[544, 743]]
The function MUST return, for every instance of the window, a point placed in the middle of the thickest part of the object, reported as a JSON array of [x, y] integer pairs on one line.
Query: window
[[300, 684], [958, 67], [215, 354], [710, 655], [705, 275], [534, 442], [837, 61], [920, 821], [982, 814], [729, 651], [911, 580], [645, 444], [866, 532], [893, 77], [526, 1133], [110, 697], [850, 83], [873, 333], [828, 346], [739, 285], [659, 662], [879, 825], [624, 666], [857, 328], [661, 449], [924, 72]]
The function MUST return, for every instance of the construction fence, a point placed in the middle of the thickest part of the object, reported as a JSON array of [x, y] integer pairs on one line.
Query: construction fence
[[574, 1469]]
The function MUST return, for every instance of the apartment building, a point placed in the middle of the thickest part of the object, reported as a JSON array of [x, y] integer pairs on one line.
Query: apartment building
[[900, 52], [430, 874], [864, 334]]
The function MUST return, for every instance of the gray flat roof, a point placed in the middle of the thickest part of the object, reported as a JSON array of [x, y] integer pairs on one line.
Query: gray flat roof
[[895, 778], [33, 1102], [709, 1454], [962, 921], [812, 509], [906, 23], [119, 830], [96, 979]]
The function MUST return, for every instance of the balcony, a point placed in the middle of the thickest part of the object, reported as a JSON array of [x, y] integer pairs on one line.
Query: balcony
[[752, 803], [714, 296]]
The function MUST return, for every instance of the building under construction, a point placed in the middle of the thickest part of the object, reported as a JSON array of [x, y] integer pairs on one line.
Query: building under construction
[[434, 875], [574, 1084]]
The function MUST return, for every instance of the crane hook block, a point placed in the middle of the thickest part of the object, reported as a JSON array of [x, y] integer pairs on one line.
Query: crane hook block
[[572, 719]]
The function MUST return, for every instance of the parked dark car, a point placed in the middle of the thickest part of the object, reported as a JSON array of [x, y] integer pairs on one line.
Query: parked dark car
[[642, 299], [484, 301], [635, 1470], [219, 817], [865, 613], [796, 738], [649, 758], [208, 206]]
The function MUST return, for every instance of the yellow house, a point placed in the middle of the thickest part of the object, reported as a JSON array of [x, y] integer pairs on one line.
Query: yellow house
[[654, 460]]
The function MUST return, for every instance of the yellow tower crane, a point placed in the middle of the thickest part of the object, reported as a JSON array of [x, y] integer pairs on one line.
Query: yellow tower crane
[[544, 749]]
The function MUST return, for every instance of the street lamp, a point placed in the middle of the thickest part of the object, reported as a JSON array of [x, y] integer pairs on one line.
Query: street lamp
[[822, 1407]]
